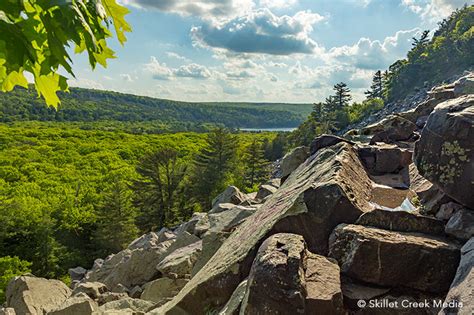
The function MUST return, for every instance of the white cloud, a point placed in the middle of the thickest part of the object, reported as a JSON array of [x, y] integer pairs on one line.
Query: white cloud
[[278, 4], [160, 71], [261, 31], [192, 71], [206, 9], [86, 83], [433, 10], [126, 77], [174, 55], [374, 54]]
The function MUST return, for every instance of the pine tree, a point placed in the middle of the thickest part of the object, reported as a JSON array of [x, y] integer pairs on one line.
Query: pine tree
[[376, 89], [256, 166], [156, 192], [116, 218], [343, 96], [214, 165]]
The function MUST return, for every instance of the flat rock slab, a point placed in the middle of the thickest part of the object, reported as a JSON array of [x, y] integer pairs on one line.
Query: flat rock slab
[[402, 221], [395, 259], [460, 298], [329, 188]]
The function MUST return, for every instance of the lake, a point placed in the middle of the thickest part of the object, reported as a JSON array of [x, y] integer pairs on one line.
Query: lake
[[268, 129]]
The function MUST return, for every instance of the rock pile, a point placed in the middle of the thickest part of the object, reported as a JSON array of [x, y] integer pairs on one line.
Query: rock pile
[[351, 225]]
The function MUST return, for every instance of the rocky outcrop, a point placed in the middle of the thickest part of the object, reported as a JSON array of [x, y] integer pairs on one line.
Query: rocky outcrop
[[32, 295], [77, 305], [461, 224], [300, 282], [395, 259], [461, 293], [180, 262], [163, 289], [402, 221], [445, 152], [385, 159], [329, 188], [324, 141], [292, 160], [231, 195]]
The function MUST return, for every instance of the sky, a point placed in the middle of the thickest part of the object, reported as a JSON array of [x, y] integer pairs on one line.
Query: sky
[[259, 50]]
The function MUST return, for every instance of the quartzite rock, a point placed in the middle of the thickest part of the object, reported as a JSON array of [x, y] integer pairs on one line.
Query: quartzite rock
[[328, 188], [445, 152], [292, 160], [402, 221], [230, 195], [324, 141], [162, 289], [77, 305], [461, 224], [395, 259], [462, 288], [32, 295], [287, 279]]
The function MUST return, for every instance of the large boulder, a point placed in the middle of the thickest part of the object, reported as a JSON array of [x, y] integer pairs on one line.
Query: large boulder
[[460, 298], [329, 188], [324, 141], [395, 259], [385, 159], [402, 221], [77, 273], [292, 160], [300, 282], [464, 85], [135, 265], [77, 305], [32, 295], [162, 289], [265, 191], [230, 195], [129, 305], [461, 224], [445, 152], [391, 129], [93, 289], [180, 262]]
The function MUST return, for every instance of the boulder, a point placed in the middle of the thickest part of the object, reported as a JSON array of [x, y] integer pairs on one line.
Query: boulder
[[77, 305], [391, 129], [230, 195], [464, 85], [128, 304], [7, 311], [232, 307], [152, 239], [292, 160], [196, 225], [32, 295], [136, 292], [211, 242], [180, 262], [460, 298], [265, 191], [135, 265], [329, 188], [324, 141], [461, 224], [385, 159], [447, 210], [162, 289], [402, 221], [111, 296], [300, 282], [77, 273], [445, 152], [354, 291], [394, 259], [92, 289]]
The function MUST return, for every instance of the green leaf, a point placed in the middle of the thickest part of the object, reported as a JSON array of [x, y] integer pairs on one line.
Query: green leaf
[[117, 13]]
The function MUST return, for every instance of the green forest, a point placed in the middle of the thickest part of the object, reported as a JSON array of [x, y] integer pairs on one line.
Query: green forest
[[139, 114], [69, 195]]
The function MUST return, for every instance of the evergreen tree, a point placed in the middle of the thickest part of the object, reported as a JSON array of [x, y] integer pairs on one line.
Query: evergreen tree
[[214, 165], [422, 40], [116, 219], [275, 149], [376, 89], [342, 96], [156, 192], [256, 166]]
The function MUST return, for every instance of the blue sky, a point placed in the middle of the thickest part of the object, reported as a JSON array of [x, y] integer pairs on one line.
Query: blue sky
[[260, 50]]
